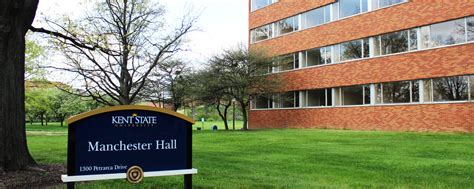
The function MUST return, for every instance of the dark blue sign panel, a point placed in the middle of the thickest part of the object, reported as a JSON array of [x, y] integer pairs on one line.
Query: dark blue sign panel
[[111, 140]]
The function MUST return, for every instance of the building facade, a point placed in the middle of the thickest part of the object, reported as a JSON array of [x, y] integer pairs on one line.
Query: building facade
[[397, 65]]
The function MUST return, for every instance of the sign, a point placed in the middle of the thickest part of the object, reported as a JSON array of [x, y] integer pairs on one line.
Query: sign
[[128, 142]]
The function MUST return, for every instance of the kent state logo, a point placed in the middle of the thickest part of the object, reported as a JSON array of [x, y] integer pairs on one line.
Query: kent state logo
[[134, 121]]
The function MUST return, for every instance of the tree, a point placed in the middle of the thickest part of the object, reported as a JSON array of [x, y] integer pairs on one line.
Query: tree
[[63, 105], [210, 91], [16, 17], [38, 103], [240, 73], [33, 55], [171, 79], [116, 46]]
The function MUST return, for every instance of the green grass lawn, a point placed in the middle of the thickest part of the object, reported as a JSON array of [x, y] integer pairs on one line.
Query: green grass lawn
[[308, 158]]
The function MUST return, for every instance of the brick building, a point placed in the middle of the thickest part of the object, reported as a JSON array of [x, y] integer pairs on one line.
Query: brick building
[[401, 65]]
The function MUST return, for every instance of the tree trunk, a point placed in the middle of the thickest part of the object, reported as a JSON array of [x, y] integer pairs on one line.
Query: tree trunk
[[244, 115], [16, 17], [223, 115], [42, 119]]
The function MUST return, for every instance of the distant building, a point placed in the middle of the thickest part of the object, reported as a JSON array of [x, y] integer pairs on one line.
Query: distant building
[[404, 65]]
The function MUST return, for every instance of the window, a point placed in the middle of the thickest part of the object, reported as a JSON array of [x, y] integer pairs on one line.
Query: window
[[286, 100], [413, 39], [450, 88], [317, 17], [317, 56], [376, 4], [425, 37], [394, 42], [447, 33], [319, 97], [352, 7], [397, 92], [352, 95], [287, 62], [427, 90], [471, 80], [258, 4], [351, 50], [366, 48], [287, 25], [367, 94], [415, 91], [470, 28], [261, 33], [262, 102]]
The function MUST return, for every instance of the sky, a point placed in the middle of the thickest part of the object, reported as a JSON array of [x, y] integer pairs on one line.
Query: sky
[[222, 23]]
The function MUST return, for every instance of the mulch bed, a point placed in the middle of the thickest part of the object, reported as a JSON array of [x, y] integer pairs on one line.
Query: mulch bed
[[48, 176]]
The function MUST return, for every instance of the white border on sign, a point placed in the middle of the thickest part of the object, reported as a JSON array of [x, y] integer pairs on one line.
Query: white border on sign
[[66, 178]]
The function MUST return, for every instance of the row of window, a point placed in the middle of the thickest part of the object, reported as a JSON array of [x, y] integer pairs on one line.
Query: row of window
[[258, 4], [435, 35], [446, 89], [315, 17]]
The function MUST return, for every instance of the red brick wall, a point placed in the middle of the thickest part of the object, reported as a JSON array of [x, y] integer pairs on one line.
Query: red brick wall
[[450, 61], [399, 17], [446, 61], [427, 117]]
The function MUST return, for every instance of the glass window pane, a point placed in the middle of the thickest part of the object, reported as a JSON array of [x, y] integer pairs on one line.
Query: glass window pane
[[317, 97], [366, 48], [365, 5], [470, 29], [375, 4], [337, 97], [327, 55], [286, 62], [425, 37], [384, 3], [296, 61], [314, 57], [261, 102], [335, 11], [276, 101], [349, 7], [427, 91], [413, 39], [415, 91], [257, 4], [366, 94], [377, 45], [352, 95], [394, 42], [327, 13], [351, 50], [378, 93], [287, 100], [396, 92], [472, 87], [448, 33], [329, 97], [262, 33], [314, 17], [336, 51], [286, 26], [450, 88]]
